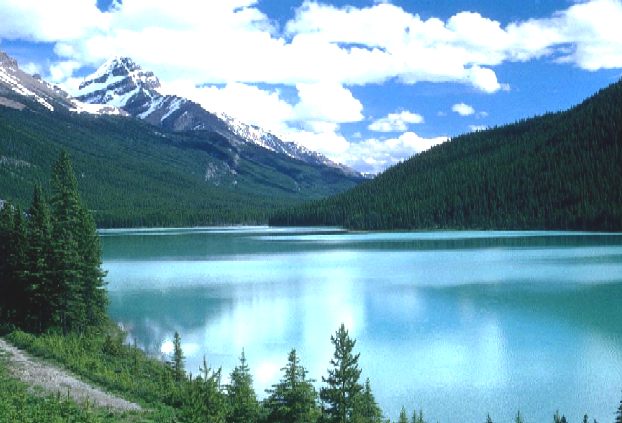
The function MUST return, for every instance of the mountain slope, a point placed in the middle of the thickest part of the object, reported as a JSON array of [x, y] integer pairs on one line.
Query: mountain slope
[[121, 83], [136, 174], [557, 171]]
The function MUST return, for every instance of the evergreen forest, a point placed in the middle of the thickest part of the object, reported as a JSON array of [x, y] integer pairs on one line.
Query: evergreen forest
[[557, 171], [132, 174]]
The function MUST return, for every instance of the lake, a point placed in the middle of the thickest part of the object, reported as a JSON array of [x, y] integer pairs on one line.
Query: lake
[[459, 324]]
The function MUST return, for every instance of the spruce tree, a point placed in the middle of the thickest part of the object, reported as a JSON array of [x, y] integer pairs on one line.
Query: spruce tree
[[204, 400], [65, 261], [518, 418], [366, 410], [243, 405], [294, 398], [342, 383], [488, 418], [619, 413], [38, 267], [17, 289], [403, 416], [177, 363], [6, 228], [93, 292]]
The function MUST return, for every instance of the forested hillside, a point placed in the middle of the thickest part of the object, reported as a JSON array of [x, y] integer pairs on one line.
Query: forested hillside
[[558, 171], [133, 174]]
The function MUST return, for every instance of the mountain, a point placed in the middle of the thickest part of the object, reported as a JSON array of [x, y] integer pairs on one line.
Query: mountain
[[14, 81], [558, 171], [120, 82], [134, 173]]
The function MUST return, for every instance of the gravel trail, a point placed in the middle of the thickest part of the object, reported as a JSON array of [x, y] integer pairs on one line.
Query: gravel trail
[[36, 372]]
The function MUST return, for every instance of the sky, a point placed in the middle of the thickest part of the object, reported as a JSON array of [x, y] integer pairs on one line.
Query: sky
[[367, 83]]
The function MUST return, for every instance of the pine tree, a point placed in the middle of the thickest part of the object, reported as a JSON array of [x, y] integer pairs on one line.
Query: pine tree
[[65, 262], [205, 401], [16, 265], [418, 418], [366, 410], [243, 405], [38, 256], [93, 291], [403, 416], [342, 383], [294, 398], [177, 363], [6, 226], [488, 419]]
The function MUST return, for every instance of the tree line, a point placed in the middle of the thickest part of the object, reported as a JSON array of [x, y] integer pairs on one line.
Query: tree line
[[50, 260], [557, 171]]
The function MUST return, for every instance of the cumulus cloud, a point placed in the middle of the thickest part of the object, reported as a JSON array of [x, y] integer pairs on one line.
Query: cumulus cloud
[[374, 155], [463, 109], [396, 122]]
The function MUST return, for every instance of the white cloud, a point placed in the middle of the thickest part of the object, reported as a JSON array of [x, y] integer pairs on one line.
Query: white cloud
[[396, 122], [463, 109], [330, 102], [374, 155]]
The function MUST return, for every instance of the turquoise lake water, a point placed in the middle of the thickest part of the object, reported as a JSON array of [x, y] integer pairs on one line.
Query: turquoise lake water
[[459, 324]]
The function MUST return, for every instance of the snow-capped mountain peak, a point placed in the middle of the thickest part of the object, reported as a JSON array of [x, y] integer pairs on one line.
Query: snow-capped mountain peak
[[122, 83]]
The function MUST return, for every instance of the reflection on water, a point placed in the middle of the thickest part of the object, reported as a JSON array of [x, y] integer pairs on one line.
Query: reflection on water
[[457, 323]]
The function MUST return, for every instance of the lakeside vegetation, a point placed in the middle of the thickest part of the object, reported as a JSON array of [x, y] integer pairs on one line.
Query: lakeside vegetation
[[558, 171]]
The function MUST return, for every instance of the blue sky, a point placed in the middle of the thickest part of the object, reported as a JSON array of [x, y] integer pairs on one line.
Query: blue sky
[[367, 83]]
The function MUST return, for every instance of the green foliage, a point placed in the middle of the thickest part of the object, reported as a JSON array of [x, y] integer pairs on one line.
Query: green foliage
[[243, 405], [342, 384], [19, 403], [488, 418], [403, 416], [293, 399], [51, 267], [177, 363], [132, 174], [518, 418], [204, 399], [366, 410], [558, 171], [619, 413]]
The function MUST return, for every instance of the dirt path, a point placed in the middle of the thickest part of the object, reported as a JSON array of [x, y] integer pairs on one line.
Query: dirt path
[[53, 379]]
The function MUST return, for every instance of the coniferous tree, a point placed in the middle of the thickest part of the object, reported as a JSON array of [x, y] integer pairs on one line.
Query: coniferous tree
[[66, 266], [488, 418], [38, 267], [17, 294], [93, 291], [205, 400], [243, 405], [177, 363], [418, 418], [6, 228], [342, 384], [294, 398], [403, 416], [366, 410]]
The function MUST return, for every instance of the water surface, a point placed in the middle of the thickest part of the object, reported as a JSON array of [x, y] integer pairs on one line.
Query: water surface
[[456, 323]]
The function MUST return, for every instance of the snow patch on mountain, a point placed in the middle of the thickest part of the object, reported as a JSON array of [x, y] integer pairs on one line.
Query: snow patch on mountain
[[13, 82]]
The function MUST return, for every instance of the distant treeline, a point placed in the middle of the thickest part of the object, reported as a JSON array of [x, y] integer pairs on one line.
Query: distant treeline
[[132, 174], [557, 171]]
